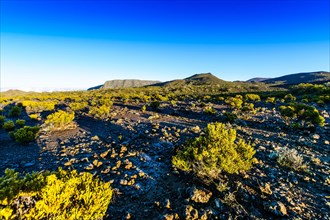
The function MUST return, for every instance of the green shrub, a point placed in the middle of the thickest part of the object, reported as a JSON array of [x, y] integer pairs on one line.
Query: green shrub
[[99, 112], [289, 97], [15, 111], [9, 125], [20, 122], [235, 102], [270, 99], [60, 120], [210, 110], [230, 117], [216, 151], [252, 97], [2, 120], [248, 107], [154, 105], [38, 106], [302, 112], [25, 135], [78, 106], [59, 195]]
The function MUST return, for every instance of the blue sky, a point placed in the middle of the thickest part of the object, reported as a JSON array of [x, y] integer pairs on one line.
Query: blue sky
[[71, 44]]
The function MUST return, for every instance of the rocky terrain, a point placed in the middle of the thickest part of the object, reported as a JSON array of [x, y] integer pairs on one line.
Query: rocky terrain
[[133, 149]]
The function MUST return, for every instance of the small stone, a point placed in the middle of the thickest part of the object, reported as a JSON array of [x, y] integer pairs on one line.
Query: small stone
[[168, 217], [190, 213], [196, 129], [276, 208], [326, 142], [128, 216], [167, 204], [104, 154], [316, 136], [89, 167], [68, 164], [97, 163], [123, 182], [131, 182], [266, 189], [30, 164], [95, 138], [200, 195]]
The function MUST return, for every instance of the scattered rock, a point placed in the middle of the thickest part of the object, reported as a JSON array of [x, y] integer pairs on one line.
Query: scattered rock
[[30, 164], [275, 207], [190, 213], [200, 195]]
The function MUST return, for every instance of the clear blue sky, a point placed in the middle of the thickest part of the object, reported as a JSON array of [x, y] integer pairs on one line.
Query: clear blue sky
[[61, 44]]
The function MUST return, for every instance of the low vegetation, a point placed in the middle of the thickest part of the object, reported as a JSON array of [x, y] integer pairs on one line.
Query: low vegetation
[[302, 114], [25, 135], [60, 120], [58, 195], [245, 150], [215, 152]]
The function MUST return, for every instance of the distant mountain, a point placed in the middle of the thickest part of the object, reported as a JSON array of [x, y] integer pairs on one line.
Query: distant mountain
[[125, 83], [197, 79], [14, 92], [257, 79], [293, 79]]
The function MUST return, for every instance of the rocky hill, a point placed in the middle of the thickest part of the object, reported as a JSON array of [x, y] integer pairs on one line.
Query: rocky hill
[[293, 79], [125, 83], [257, 79], [197, 79]]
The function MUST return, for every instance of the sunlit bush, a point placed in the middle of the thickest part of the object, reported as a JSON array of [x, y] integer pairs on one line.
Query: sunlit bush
[[39, 106], [235, 102], [216, 151], [59, 195], [270, 99], [252, 97], [60, 120], [78, 106], [102, 111], [302, 112]]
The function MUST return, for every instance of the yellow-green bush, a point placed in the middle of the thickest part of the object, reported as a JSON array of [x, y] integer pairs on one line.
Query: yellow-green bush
[[289, 97], [302, 112], [34, 116], [38, 106], [25, 135], [235, 102], [210, 110], [9, 125], [270, 99], [248, 107], [252, 97], [60, 195], [99, 112], [60, 120], [78, 106], [20, 122], [216, 151]]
